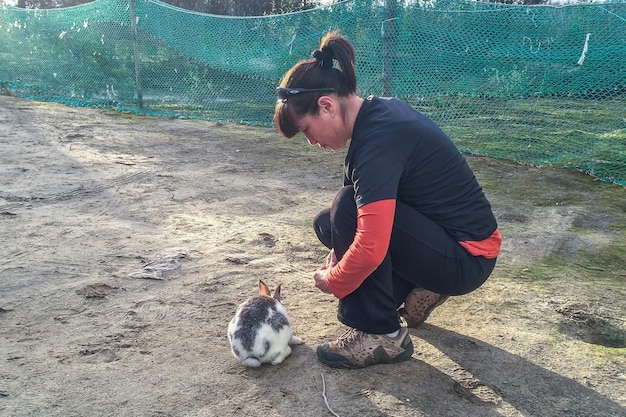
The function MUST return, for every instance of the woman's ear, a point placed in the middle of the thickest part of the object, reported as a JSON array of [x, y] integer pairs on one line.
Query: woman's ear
[[327, 104]]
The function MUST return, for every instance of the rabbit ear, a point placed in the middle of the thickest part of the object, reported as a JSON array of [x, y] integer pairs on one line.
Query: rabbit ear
[[263, 289], [277, 293]]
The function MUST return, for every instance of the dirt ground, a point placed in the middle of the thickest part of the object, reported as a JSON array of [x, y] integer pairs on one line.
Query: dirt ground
[[127, 242]]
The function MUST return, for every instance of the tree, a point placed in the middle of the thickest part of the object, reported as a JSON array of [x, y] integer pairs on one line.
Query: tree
[[244, 7], [49, 4]]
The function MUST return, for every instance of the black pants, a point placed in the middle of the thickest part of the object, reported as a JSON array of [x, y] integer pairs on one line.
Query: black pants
[[421, 255]]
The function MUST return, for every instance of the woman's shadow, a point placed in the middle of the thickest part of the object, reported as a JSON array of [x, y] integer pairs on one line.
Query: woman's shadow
[[488, 375]]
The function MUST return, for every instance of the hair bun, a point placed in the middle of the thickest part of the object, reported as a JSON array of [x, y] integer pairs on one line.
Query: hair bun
[[324, 57]]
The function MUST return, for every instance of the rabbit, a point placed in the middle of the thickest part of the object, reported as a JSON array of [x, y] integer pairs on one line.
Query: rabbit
[[260, 332]]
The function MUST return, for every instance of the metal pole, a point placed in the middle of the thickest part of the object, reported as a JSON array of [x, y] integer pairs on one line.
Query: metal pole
[[389, 35], [133, 29]]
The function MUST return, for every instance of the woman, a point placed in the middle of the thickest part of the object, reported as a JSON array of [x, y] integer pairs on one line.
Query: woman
[[410, 227]]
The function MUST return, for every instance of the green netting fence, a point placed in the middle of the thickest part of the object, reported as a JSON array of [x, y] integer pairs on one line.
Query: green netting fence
[[537, 84]]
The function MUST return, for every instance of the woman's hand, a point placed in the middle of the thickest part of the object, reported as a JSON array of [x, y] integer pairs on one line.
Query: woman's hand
[[320, 275]]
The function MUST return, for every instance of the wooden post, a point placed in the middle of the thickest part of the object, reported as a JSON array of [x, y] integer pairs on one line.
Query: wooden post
[[133, 30]]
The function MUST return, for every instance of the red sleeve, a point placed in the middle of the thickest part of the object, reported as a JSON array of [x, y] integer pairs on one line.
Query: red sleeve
[[367, 251]]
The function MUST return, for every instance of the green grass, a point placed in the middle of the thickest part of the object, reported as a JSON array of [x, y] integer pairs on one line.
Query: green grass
[[563, 132]]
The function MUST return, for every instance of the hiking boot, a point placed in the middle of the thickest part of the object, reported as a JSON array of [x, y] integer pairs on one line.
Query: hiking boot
[[419, 304], [357, 349]]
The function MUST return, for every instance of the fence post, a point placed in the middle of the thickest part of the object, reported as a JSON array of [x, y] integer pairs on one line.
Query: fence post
[[388, 30], [135, 36]]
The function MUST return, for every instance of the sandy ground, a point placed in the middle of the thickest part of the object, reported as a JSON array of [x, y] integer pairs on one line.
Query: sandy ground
[[127, 242]]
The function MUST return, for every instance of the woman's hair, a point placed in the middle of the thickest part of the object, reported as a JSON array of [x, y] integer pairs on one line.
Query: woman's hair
[[330, 68]]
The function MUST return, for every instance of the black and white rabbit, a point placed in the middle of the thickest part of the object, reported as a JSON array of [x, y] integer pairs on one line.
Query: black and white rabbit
[[260, 332]]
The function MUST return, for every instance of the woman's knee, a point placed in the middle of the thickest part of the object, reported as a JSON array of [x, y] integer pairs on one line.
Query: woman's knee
[[322, 228]]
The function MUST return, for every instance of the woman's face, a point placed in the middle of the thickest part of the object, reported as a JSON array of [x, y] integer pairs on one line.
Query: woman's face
[[325, 129]]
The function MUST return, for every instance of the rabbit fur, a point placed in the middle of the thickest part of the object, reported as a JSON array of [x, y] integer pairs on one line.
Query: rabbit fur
[[260, 332]]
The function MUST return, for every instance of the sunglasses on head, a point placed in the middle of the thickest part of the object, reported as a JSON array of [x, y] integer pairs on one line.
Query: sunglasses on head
[[285, 93]]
